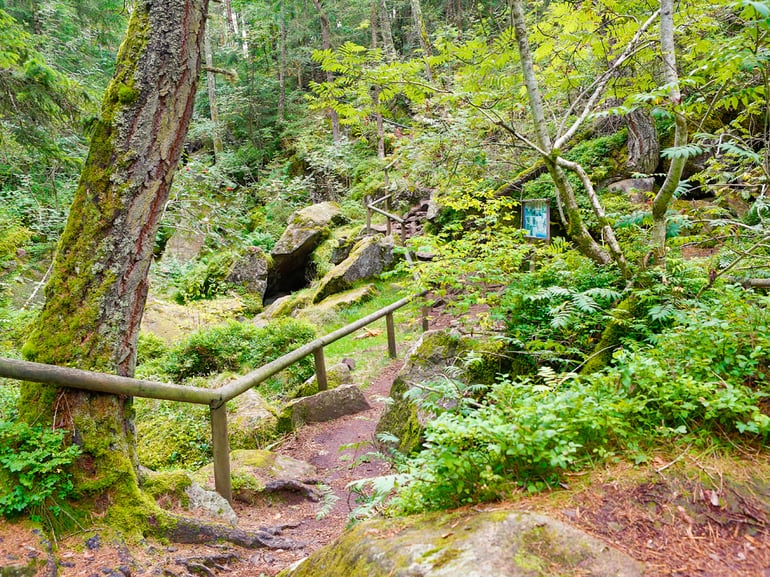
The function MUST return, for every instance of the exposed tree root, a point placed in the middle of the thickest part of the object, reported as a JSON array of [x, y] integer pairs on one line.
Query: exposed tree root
[[196, 531]]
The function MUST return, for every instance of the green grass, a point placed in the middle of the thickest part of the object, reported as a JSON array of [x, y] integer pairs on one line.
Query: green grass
[[371, 353]]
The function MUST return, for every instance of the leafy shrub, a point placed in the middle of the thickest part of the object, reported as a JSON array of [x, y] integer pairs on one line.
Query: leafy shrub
[[206, 279], [526, 433], [33, 468], [9, 397], [708, 374], [149, 347], [235, 346], [546, 322]]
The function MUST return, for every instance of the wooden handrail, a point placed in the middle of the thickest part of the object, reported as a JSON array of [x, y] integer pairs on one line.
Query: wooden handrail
[[215, 398], [103, 382]]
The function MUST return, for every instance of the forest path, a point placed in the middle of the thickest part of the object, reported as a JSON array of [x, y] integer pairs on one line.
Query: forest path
[[339, 451], [342, 451]]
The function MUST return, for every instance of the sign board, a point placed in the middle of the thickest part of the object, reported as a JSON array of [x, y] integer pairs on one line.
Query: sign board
[[536, 219]]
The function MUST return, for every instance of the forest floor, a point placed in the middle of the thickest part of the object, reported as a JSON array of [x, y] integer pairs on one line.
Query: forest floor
[[678, 514]]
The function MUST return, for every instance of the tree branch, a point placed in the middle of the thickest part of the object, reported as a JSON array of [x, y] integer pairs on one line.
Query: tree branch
[[231, 74], [603, 80]]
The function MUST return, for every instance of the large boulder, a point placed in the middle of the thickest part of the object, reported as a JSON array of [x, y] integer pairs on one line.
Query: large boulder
[[323, 406], [250, 271], [306, 229], [467, 543], [428, 360], [370, 257], [256, 473], [637, 190], [327, 310], [185, 245]]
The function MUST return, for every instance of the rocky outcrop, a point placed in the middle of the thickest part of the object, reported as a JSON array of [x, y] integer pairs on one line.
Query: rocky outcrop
[[427, 361], [184, 245], [307, 228], [370, 257], [635, 189], [328, 309], [323, 406], [210, 503], [258, 472], [250, 271], [467, 543]]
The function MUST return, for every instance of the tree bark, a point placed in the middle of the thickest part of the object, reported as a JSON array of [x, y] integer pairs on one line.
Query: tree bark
[[244, 36], [98, 288], [674, 175], [326, 37], [643, 144], [388, 47], [422, 35], [282, 62], [211, 84]]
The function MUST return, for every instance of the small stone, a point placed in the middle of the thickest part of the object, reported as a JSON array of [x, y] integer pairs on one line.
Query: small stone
[[93, 543]]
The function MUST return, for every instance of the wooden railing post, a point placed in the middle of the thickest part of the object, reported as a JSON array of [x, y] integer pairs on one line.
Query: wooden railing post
[[221, 446], [320, 369], [388, 225], [391, 335], [367, 202]]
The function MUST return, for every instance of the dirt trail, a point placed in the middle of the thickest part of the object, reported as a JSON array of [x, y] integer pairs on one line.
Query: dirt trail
[[340, 451], [318, 444]]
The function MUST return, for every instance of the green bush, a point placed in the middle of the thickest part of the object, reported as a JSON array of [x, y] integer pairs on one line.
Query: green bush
[[525, 434], [239, 346], [206, 279], [33, 469], [707, 375], [710, 373], [149, 347], [556, 314]]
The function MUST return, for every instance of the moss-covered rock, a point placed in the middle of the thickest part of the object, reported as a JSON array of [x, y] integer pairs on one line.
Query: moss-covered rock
[[428, 360], [370, 257], [252, 421], [327, 310], [249, 271], [323, 406], [306, 229], [257, 471], [472, 544]]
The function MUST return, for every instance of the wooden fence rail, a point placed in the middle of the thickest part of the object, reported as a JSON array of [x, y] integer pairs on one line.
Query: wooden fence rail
[[214, 398]]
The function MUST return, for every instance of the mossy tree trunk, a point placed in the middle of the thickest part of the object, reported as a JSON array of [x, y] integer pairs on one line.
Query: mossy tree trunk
[[96, 295]]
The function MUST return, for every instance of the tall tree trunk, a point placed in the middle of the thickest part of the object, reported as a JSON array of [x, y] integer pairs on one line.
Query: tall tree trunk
[[376, 90], [643, 144], [422, 34], [387, 32], [326, 37], [244, 36], [373, 29], [211, 84], [671, 77], [97, 292], [576, 228], [282, 62], [231, 17]]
